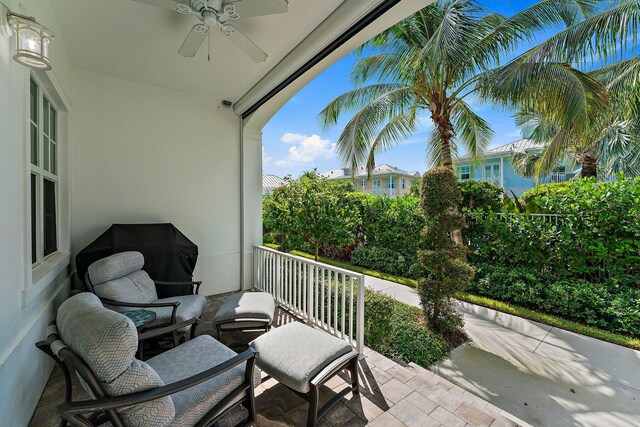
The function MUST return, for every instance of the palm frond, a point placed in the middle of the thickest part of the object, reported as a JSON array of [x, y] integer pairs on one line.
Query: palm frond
[[355, 100], [524, 164], [396, 130], [472, 131], [556, 90], [603, 36]]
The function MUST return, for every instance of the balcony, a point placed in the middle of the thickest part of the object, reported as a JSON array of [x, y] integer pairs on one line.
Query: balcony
[[391, 192], [557, 177], [330, 299]]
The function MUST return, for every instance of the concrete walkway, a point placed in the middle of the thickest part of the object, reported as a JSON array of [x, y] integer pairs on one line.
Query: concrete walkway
[[544, 375]]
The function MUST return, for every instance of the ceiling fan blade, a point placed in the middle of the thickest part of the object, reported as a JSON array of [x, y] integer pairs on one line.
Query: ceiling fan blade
[[165, 4], [248, 8], [243, 43], [192, 43]]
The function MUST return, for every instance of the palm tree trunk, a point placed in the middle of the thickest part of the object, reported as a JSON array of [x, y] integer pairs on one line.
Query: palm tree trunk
[[589, 166], [445, 130]]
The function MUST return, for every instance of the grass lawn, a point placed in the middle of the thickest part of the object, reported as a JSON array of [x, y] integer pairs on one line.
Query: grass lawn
[[504, 307]]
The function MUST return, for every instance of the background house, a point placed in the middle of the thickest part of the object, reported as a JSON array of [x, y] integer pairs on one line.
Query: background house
[[270, 183], [495, 166], [385, 179]]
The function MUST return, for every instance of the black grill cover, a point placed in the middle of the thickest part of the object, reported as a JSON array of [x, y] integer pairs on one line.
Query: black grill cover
[[168, 254]]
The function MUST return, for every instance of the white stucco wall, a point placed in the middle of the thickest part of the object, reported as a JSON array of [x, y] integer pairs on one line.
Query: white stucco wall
[[145, 154], [27, 305]]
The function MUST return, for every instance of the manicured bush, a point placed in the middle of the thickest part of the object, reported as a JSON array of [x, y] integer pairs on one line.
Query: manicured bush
[[480, 195], [310, 211], [596, 236], [447, 273], [383, 259], [397, 330], [608, 306], [392, 223]]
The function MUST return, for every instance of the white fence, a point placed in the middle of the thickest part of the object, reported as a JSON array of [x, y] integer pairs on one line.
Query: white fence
[[555, 219], [328, 297]]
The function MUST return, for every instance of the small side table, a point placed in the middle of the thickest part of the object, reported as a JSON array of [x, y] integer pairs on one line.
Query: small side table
[[140, 318]]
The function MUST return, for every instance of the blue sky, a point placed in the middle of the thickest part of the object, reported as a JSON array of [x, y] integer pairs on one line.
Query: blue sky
[[294, 142]]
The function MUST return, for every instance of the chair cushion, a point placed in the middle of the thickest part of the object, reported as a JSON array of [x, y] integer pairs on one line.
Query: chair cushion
[[246, 305], [191, 358], [190, 306], [115, 266], [134, 287], [120, 277], [107, 342], [294, 353]]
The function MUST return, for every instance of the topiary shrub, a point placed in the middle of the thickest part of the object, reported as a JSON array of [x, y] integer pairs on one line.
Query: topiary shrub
[[480, 195], [443, 260]]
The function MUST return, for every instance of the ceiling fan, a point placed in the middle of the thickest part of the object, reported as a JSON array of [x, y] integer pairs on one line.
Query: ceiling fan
[[221, 13]]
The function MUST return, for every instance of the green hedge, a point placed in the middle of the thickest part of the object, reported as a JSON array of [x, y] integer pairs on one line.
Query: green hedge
[[397, 330], [383, 259], [608, 306], [595, 238]]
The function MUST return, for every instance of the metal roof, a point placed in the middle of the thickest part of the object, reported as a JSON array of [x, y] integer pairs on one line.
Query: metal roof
[[383, 169], [520, 146], [272, 181]]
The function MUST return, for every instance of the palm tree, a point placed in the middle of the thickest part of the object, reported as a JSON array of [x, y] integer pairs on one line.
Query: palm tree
[[431, 62], [607, 145], [603, 134]]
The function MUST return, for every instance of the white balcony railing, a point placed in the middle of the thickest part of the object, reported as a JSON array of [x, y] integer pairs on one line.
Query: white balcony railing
[[327, 297], [392, 192], [557, 177]]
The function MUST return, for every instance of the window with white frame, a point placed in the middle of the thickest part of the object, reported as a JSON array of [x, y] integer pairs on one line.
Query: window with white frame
[[403, 183], [391, 183], [43, 155], [465, 173], [363, 183]]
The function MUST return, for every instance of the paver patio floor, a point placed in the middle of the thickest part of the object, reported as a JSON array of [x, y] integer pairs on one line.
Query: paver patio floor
[[391, 395], [541, 374]]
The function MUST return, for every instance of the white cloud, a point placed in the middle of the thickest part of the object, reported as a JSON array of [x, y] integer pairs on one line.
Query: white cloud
[[293, 138], [305, 149]]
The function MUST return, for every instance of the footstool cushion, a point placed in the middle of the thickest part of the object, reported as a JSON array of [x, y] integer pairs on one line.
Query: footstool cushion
[[295, 353], [247, 309]]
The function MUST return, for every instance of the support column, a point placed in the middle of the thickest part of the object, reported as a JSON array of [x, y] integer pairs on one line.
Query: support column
[[252, 200]]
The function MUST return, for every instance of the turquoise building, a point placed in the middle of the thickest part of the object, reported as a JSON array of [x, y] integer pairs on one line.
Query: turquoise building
[[495, 166]]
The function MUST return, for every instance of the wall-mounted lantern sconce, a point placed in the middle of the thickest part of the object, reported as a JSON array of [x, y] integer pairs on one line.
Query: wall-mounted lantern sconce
[[32, 39]]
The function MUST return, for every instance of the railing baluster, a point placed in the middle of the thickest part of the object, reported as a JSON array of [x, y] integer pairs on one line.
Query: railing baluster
[[309, 291], [344, 303], [316, 286], [323, 303], [335, 306], [329, 293], [314, 292], [360, 315], [351, 337]]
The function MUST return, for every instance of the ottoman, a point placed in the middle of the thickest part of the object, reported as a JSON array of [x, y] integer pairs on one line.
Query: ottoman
[[303, 359], [245, 311]]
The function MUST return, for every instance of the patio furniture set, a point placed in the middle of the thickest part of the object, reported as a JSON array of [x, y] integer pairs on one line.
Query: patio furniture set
[[98, 334]]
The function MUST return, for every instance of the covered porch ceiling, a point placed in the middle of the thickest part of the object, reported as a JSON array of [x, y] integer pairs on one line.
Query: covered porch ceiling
[[139, 42]]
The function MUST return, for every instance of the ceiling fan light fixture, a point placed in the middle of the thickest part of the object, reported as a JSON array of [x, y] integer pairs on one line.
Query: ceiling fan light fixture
[[184, 9]]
